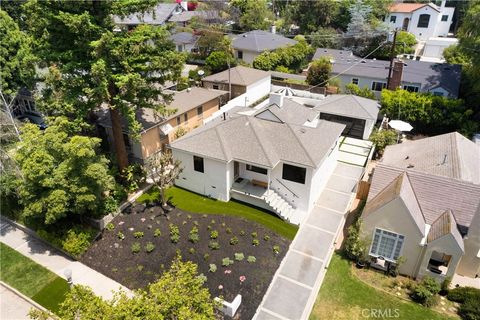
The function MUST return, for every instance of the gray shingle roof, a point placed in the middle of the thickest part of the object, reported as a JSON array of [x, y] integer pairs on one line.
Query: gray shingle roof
[[184, 38], [434, 194], [290, 112], [428, 74], [239, 75], [156, 16], [188, 15], [262, 142], [334, 53], [449, 155], [400, 187], [444, 225], [260, 41], [349, 106]]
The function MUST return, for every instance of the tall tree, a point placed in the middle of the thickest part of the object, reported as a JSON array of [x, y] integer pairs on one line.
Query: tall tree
[[93, 64], [252, 14], [310, 15], [319, 72], [62, 172]]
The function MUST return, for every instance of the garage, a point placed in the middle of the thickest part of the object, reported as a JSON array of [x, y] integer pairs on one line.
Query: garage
[[354, 127]]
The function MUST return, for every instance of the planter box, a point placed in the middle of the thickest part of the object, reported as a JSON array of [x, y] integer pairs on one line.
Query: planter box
[[229, 308]]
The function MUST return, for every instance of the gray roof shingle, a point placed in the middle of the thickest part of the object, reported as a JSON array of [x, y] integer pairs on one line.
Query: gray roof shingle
[[449, 155], [156, 16], [184, 38], [350, 106], [260, 41], [239, 75]]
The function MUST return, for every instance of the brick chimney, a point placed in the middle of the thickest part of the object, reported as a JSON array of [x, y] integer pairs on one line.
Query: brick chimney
[[397, 72]]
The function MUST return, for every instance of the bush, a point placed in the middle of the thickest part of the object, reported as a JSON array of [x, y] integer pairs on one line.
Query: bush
[[354, 89], [233, 241], [266, 237], [251, 259], [214, 245], [242, 233], [174, 233], [426, 292], [383, 138], [135, 247], [120, 235], [191, 250], [255, 242], [212, 267], [228, 231], [276, 249], [206, 256], [77, 241], [239, 256], [470, 309], [254, 235], [319, 72], [110, 226], [226, 262], [445, 286], [214, 234], [193, 235], [149, 247], [461, 294], [138, 234], [157, 233], [218, 61]]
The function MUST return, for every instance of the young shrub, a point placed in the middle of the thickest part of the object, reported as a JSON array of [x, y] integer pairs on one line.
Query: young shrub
[[266, 237], [214, 245], [445, 287], [426, 292], [189, 217], [226, 262], [202, 278], [242, 233], [193, 235], [251, 259], [149, 247], [462, 294], [470, 309], [234, 241], [110, 226], [209, 227], [120, 235], [174, 233], [157, 233], [224, 224], [228, 230], [195, 223], [239, 256], [214, 234], [255, 242], [212, 221], [138, 234], [206, 256], [191, 250], [254, 235], [135, 247], [212, 267], [276, 249], [76, 241], [140, 267]]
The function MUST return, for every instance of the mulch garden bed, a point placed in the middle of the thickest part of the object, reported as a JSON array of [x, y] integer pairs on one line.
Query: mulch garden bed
[[111, 254]]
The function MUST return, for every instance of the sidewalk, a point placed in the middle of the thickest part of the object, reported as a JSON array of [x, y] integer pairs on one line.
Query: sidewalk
[[56, 262], [296, 283], [14, 305]]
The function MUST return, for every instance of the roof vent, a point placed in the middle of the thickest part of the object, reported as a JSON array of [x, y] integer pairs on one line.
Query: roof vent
[[302, 130], [407, 157], [410, 166]]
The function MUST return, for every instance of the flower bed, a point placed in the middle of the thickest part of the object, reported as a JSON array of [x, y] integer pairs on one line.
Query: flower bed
[[236, 256]]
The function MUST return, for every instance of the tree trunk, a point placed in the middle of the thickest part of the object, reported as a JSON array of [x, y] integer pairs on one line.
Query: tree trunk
[[119, 143], [162, 195]]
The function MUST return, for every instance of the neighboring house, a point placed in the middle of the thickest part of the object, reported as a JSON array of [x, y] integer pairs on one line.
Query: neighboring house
[[424, 20], [24, 109], [252, 82], [278, 157], [182, 19], [191, 107], [433, 49], [159, 15], [418, 76], [185, 41], [424, 205], [247, 46]]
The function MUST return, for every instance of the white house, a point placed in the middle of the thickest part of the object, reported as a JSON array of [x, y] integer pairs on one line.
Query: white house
[[278, 157], [424, 20], [185, 41]]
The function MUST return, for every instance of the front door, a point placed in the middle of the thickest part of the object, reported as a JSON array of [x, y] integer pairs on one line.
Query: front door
[[236, 170], [406, 21]]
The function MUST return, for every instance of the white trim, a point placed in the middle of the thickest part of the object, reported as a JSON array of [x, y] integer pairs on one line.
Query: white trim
[[392, 259]]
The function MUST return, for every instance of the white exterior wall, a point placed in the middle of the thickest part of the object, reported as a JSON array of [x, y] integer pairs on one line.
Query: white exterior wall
[[213, 182], [469, 266], [369, 124], [399, 21], [188, 47], [301, 190], [248, 56], [258, 90]]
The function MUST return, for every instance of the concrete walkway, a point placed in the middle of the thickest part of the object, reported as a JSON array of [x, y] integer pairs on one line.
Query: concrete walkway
[[55, 261], [354, 151], [14, 305], [296, 283]]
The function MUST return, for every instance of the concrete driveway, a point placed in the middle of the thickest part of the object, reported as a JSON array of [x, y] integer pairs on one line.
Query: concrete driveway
[[296, 283]]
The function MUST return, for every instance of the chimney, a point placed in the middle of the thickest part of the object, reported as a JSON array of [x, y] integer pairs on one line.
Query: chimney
[[442, 5], [397, 72], [276, 98], [273, 29]]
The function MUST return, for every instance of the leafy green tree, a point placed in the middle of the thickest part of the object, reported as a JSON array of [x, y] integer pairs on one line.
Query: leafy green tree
[[454, 55], [319, 72], [17, 63], [310, 15], [325, 38], [253, 14], [218, 61], [355, 90], [291, 57], [179, 294], [213, 40], [62, 172], [91, 64], [383, 138]]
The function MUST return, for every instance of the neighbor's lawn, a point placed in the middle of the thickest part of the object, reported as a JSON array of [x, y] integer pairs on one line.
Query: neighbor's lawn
[[195, 203], [32, 279], [342, 296]]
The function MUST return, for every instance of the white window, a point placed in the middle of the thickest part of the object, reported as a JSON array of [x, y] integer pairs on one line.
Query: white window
[[411, 88], [355, 81], [378, 86], [386, 244]]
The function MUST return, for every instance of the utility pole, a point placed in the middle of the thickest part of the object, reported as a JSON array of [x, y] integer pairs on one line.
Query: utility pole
[[392, 57], [229, 81]]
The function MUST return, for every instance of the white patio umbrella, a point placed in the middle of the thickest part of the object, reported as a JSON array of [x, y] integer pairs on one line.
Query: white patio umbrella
[[400, 125], [286, 92]]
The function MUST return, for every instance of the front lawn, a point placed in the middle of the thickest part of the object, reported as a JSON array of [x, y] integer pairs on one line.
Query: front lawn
[[193, 202], [235, 255], [343, 296], [31, 279]]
